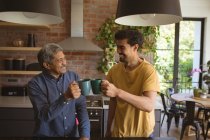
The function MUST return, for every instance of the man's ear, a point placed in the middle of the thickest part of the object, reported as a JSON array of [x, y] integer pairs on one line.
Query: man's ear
[[136, 47], [46, 65]]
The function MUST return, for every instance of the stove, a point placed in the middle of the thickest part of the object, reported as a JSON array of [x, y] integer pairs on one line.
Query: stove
[[94, 101], [94, 104], [95, 112]]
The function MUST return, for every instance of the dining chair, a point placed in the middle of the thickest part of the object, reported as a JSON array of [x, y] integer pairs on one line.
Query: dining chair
[[174, 104], [168, 102], [170, 112], [191, 119], [207, 118]]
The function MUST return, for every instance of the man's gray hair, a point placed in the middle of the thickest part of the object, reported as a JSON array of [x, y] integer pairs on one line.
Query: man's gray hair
[[46, 54]]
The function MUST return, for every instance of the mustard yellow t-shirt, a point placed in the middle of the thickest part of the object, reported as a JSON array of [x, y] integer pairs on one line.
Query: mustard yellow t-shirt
[[130, 121]]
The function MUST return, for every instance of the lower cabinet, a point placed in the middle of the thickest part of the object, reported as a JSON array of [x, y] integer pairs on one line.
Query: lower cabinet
[[16, 122], [19, 122], [157, 122]]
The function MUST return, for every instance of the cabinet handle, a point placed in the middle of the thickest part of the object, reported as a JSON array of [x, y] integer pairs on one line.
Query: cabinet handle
[[94, 120]]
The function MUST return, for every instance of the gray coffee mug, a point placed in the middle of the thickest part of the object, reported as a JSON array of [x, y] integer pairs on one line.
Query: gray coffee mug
[[85, 86], [96, 86]]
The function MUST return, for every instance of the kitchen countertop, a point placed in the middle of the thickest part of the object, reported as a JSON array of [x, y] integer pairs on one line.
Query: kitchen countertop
[[21, 102], [60, 138], [24, 102], [15, 101], [141, 138]]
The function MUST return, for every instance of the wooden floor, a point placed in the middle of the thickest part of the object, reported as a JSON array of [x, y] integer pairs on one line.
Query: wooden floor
[[175, 132]]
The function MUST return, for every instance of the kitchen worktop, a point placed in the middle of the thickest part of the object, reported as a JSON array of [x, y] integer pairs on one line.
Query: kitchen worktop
[[139, 138], [15, 101], [156, 138], [24, 102]]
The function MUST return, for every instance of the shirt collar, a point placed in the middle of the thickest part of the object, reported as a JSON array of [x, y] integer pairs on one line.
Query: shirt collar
[[49, 76]]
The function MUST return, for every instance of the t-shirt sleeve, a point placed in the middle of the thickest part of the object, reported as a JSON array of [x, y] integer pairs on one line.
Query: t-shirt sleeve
[[109, 75], [151, 80]]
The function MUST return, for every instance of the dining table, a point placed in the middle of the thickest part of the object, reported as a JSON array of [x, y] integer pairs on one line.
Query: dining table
[[179, 97]]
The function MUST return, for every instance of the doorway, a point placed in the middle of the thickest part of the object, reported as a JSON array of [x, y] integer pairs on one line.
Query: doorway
[[179, 55]]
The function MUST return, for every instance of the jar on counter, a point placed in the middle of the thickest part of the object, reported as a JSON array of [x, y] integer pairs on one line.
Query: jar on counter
[[19, 64], [31, 40], [8, 63]]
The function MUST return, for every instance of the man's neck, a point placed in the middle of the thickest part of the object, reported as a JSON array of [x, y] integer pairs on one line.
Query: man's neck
[[56, 76], [135, 63]]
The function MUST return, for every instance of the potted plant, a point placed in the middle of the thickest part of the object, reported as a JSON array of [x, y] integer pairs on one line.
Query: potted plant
[[106, 37], [206, 76]]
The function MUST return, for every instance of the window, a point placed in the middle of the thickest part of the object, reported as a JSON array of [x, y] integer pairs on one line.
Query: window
[[179, 51]]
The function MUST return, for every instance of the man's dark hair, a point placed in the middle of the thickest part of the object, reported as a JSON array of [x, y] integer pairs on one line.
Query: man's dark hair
[[133, 36]]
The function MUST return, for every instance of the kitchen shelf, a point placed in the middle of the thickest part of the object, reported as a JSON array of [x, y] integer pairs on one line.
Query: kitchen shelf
[[8, 24], [20, 48], [6, 72]]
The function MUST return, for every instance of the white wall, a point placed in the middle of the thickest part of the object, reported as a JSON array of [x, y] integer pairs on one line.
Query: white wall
[[199, 9]]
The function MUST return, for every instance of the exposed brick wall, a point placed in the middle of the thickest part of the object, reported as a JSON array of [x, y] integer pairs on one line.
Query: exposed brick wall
[[95, 13]]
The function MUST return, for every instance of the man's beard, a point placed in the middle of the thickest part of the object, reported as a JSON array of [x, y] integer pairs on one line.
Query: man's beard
[[121, 58]]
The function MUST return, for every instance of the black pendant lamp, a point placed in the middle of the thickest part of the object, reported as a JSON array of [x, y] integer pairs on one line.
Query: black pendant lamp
[[148, 12], [31, 12]]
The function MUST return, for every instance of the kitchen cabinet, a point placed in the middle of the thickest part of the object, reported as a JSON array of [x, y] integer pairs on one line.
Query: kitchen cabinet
[[157, 122], [18, 72], [16, 122], [17, 118]]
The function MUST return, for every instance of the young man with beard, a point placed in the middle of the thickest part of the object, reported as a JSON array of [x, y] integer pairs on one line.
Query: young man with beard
[[132, 86], [57, 99]]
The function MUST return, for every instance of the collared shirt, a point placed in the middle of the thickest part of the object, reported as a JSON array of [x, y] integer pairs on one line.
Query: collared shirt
[[54, 116]]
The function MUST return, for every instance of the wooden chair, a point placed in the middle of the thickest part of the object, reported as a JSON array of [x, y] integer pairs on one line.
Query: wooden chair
[[191, 119]]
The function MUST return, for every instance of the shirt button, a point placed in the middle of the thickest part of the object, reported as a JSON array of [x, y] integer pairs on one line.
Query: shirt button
[[60, 93], [64, 102], [65, 117], [66, 128]]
